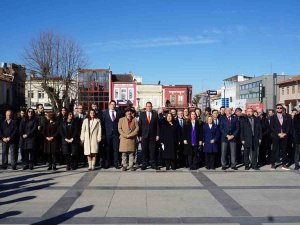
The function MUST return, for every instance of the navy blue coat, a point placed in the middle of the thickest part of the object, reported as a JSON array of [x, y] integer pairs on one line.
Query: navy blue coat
[[109, 127], [229, 129], [208, 135]]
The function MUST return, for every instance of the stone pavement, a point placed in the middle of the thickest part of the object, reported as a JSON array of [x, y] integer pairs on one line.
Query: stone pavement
[[149, 197]]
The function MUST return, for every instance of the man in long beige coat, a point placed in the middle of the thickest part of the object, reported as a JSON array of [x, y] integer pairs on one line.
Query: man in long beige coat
[[90, 137], [128, 128]]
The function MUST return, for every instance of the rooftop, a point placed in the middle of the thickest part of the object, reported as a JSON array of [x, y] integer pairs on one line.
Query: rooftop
[[290, 80], [122, 78]]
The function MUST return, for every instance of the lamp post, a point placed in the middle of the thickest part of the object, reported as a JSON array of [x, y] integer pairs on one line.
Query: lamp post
[[224, 95]]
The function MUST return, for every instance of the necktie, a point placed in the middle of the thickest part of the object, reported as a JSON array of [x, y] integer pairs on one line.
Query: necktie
[[229, 120], [181, 123], [113, 116], [148, 118], [252, 125]]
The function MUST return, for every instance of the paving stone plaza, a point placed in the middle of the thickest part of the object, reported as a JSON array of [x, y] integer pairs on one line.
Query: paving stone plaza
[[149, 197]]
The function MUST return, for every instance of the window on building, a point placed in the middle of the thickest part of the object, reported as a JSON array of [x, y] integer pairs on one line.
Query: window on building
[[173, 99], [116, 96], [123, 94], [40, 95], [30, 94], [293, 89], [287, 90], [298, 88], [130, 94], [180, 99], [282, 91], [230, 99]]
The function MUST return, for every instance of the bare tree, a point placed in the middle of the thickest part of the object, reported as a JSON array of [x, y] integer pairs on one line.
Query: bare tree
[[55, 59]]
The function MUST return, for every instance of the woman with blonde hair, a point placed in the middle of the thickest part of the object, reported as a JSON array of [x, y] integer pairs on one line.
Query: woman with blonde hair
[[90, 137]]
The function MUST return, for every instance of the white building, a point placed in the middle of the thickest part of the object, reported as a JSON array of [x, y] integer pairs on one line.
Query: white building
[[149, 93], [229, 90], [36, 95]]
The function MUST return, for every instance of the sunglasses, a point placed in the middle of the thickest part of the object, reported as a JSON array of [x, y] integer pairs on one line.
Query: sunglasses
[[30, 111], [279, 108]]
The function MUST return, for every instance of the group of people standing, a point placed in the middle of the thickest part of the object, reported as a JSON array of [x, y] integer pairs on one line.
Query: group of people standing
[[174, 139]]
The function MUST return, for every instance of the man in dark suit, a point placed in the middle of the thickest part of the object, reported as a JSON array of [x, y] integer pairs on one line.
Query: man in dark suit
[[149, 135], [265, 140], [9, 138], [238, 114], [251, 134], [111, 135], [296, 134], [79, 117], [180, 157], [230, 128], [280, 127]]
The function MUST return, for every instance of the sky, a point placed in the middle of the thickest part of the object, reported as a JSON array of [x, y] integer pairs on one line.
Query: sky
[[173, 41]]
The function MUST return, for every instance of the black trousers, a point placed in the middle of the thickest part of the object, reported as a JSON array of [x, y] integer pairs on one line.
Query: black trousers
[[112, 150], [71, 161], [6, 148], [52, 159], [149, 151], [251, 152], [29, 155], [170, 163], [297, 153], [180, 156], [264, 150], [193, 158], [210, 160], [279, 145]]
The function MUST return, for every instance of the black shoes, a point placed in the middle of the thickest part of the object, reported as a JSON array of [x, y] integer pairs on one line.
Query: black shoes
[[234, 168], [223, 168], [25, 167], [296, 167], [247, 168]]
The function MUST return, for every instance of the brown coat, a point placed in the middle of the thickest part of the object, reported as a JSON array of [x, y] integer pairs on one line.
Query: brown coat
[[128, 144]]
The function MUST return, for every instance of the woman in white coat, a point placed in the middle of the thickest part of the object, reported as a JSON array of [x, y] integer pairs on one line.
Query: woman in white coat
[[90, 137]]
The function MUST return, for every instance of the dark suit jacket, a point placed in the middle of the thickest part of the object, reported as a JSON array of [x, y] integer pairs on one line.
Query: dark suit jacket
[[187, 133], [29, 127], [246, 132], [233, 128], [277, 128], [9, 130], [75, 133], [180, 129], [110, 127], [296, 128], [148, 130]]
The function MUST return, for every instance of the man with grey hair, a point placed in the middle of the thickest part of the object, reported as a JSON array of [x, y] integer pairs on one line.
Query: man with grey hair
[[229, 127], [8, 135]]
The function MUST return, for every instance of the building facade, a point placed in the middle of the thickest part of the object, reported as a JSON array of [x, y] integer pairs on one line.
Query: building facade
[[35, 94], [289, 92], [94, 86], [178, 96], [12, 86], [148, 92], [260, 92], [229, 90], [124, 90]]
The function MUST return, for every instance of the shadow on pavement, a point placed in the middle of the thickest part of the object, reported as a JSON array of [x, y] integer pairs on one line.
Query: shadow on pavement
[[65, 216]]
